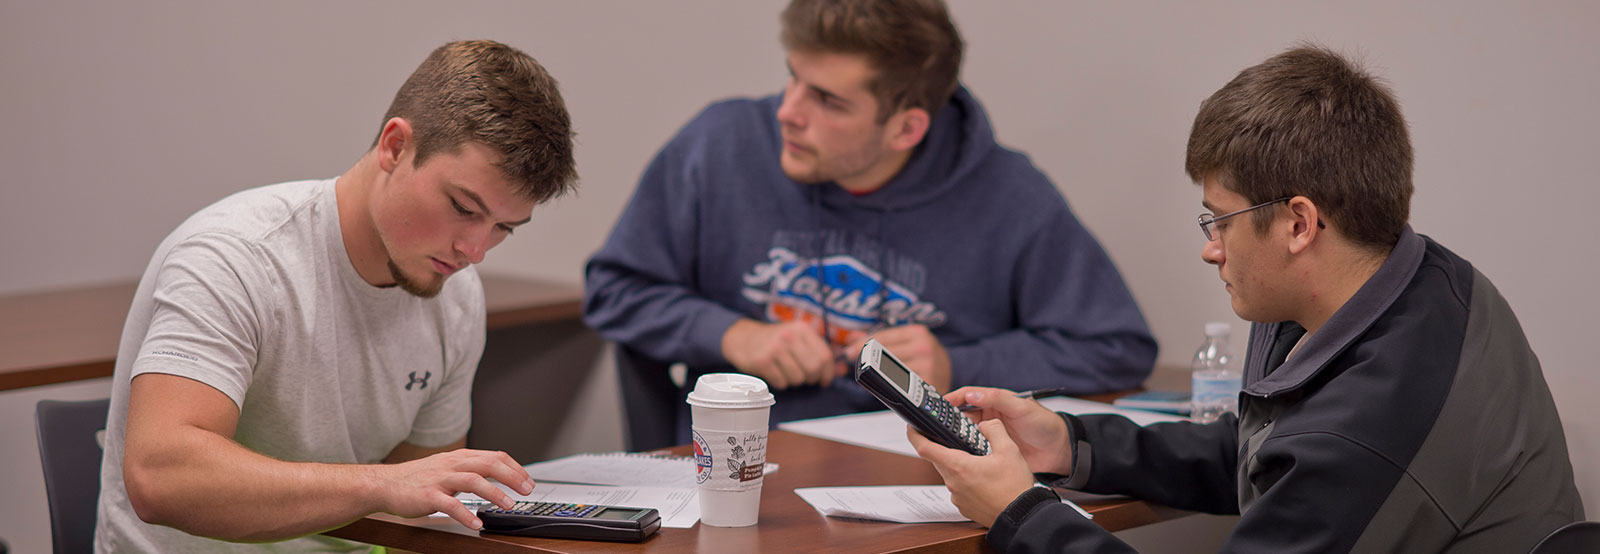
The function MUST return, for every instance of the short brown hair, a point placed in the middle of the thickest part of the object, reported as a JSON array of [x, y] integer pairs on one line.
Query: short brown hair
[[912, 44], [494, 94], [1308, 122]]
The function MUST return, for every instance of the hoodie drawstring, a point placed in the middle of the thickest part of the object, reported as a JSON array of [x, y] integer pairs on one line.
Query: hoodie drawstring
[[817, 255]]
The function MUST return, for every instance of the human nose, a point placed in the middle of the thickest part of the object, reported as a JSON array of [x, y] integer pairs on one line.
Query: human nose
[[789, 110], [476, 243], [1211, 252]]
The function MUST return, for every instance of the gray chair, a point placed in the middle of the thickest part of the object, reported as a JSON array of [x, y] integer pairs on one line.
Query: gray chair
[[70, 454], [1578, 537], [649, 401]]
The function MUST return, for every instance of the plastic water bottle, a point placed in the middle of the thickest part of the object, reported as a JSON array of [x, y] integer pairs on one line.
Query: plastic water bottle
[[1217, 378]]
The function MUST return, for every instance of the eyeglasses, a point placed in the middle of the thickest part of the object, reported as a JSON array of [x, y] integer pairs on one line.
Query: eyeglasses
[[1206, 221]]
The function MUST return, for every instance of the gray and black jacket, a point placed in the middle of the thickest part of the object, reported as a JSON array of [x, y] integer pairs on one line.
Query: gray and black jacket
[[1416, 420]]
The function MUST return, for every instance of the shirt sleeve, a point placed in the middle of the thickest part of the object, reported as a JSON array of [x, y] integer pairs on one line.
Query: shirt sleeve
[[204, 324], [640, 287]]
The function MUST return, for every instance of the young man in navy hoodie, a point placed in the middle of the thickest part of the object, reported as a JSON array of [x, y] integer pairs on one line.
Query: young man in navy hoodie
[[773, 236], [1391, 401]]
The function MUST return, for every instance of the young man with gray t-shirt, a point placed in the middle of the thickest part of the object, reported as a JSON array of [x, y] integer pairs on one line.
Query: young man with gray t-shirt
[[297, 355]]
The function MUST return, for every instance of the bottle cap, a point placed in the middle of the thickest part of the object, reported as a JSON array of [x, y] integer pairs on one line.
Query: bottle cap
[[1218, 329], [730, 390]]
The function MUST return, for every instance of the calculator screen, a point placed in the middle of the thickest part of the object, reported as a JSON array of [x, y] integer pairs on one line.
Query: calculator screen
[[617, 513], [895, 372]]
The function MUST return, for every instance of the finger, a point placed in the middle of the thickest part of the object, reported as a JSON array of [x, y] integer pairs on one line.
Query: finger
[[852, 351], [906, 337], [805, 364], [476, 484], [459, 512], [776, 366], [982, 397], [822, 368], [891, 337], [772, 373], [816, 357], [999, 437], [958, 397], [507, 470], [793, 368], [997, 401]]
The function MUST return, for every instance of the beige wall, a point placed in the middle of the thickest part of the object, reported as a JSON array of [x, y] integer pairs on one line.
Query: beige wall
[[123, 118]]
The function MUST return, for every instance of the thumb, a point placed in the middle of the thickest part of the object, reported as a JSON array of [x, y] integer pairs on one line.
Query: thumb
[[999, 438]]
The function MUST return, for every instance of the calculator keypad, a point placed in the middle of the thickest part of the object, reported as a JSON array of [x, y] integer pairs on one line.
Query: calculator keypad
[[556, 509], [952, 419]]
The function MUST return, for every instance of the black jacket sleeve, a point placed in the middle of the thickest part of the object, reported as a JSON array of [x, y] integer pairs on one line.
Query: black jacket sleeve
[[1318, 491], [1037, 521], [1178, 464]]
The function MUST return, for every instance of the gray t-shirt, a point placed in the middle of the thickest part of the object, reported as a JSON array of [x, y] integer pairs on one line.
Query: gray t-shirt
[[256, 297]]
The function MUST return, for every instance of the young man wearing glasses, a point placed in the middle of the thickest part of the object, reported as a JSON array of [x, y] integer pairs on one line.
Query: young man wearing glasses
[[1391, 401]]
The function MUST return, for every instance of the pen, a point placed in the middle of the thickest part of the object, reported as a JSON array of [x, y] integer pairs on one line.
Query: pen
[[1034, 394]]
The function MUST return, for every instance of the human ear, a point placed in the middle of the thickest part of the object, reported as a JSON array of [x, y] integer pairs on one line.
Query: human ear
[[907, 128], [393, 142], [1305, 221]]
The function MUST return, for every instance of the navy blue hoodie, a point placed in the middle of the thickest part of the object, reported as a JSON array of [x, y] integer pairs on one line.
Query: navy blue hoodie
[[975, 242]]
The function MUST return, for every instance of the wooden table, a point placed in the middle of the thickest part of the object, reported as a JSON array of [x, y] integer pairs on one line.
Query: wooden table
[[71, 335], [787, 523]]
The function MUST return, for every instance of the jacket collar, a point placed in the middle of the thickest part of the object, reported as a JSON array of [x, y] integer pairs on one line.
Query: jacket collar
[[1342, 329]]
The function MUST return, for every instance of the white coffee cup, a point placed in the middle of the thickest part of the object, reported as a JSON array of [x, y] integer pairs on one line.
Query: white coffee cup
[[730, 446]]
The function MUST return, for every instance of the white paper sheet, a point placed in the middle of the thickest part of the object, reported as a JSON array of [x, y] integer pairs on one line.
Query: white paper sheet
[[679, 507], [899, 504], [621, 468], [886, 431]]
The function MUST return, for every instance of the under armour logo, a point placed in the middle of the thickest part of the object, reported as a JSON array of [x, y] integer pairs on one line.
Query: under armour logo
[[421, 383]]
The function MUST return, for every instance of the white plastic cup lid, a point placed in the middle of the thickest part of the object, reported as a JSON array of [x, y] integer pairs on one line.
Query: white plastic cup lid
[[730, 390], [1218, 329]]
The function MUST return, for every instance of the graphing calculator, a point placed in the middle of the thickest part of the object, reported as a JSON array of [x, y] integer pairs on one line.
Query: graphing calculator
[[571, 521], [887, 378]]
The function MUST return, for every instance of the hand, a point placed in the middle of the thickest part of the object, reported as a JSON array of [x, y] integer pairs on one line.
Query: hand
[[784, 355], [1039, 434], [916, 346], [980, 486], [421, 487]]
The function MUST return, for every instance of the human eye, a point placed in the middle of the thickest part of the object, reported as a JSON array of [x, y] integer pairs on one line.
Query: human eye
[[507, 228], [830, 101], [459, 208]]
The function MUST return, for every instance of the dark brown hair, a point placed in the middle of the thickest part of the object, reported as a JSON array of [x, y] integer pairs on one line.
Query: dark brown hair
[[912, 44], [1308, 122], [484, 91]]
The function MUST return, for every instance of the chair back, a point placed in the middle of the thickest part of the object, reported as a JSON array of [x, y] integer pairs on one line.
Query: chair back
[[1578, 537], [649, 400], [70, 454]]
